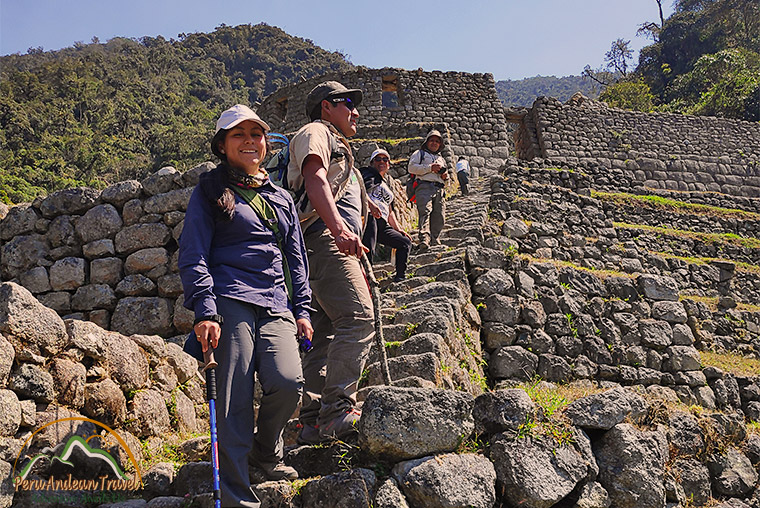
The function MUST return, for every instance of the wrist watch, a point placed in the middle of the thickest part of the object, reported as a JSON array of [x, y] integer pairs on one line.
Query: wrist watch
[[216, 318]]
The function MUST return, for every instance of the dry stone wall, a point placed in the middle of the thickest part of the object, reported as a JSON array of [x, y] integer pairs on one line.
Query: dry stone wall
[[655, 150], [401, 104], [109, 257]]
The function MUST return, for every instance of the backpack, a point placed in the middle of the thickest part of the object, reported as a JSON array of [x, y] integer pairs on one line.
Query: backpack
[[413, 182], [277, 166]]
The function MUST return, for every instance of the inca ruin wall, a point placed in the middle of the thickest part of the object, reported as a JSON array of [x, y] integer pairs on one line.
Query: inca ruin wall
[[400, 104], [628, 149]]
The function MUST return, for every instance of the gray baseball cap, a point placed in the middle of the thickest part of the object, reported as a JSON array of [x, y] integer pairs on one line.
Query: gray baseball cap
[[327, 90]]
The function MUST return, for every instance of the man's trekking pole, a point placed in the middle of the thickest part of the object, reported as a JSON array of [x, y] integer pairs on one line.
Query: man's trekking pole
[[210, 369], [379, 341]]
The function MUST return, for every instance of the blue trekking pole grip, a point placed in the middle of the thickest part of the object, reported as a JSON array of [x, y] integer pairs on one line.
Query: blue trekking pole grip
[[209, 369]]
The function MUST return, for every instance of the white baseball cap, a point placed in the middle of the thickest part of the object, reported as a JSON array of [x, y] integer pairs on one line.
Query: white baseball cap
[[236, 114], [378, 152]]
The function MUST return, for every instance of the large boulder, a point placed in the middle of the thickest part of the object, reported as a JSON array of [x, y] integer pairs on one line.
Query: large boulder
[[102, 221], [607, 409], [126, 362], [732, 472], [32, 381], [502, 410], [10, 417], [142, 315], [448, 480], [22, 253], [20, 220], [632, 466], [348, 489], [69, 202], [405, 423], [390, 496], [658, 287], [29, 325], [694, 478], [685, 434], [69, 377], [513, 362], [537, 473], [149, 415], [105, 402]]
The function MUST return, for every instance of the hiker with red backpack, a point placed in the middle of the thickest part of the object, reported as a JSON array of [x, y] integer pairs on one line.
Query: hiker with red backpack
[[429, 169], [332, 205], [242, 261]]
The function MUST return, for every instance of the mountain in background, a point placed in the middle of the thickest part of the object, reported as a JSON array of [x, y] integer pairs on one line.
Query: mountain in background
[[99, 113], [522, 92]]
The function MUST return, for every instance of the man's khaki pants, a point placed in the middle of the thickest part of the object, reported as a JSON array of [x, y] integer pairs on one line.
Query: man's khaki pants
[[343, 330]]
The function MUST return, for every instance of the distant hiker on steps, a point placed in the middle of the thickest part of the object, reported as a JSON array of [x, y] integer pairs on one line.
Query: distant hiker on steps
[[242, 261], [332, 206], [382, 226], [463, 174], [429, 167]]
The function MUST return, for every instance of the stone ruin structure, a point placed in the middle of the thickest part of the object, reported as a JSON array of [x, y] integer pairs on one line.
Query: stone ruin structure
[[628, 149], [400, 104], [550, 280]]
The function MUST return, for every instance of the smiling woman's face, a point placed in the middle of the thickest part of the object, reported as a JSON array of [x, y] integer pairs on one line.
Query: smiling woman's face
[[245, 146]]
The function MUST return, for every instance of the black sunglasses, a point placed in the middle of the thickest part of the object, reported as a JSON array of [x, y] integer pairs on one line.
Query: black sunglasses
[[381, 159], [348, 101]]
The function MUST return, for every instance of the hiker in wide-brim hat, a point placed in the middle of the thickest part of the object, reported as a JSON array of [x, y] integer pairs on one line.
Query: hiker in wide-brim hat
[[333, 207], [242, 261], [429, 168]]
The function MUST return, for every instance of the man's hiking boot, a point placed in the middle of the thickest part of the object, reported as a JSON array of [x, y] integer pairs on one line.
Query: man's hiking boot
[[273, 472], [280, 472], [341, 426], [399, 278], [309, 435]]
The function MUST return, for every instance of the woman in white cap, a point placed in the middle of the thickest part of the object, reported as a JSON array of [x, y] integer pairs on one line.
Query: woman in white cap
[[382, 226], [243, 266]]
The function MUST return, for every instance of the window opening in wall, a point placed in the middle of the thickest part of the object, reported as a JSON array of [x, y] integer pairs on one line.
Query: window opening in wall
[[282, 108], [390, 92]]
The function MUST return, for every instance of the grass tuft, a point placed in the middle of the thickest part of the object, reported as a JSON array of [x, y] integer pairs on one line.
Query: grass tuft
[[708, 238], [731, 363], [662, 203]]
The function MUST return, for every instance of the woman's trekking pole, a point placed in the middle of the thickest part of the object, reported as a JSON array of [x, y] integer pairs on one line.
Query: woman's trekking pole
[[374, 289], [210, 369]]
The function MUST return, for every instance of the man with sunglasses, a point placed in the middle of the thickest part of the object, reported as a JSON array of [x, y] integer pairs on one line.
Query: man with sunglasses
[[332, 205]]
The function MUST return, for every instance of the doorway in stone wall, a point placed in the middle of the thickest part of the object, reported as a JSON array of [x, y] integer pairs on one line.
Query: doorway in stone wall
[[392, 101], [281, 110]]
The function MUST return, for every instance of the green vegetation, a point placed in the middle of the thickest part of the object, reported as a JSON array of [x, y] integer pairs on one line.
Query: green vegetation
[[704, 60], [602, 274], [552, 399], [740, 265], [99, 113], [411, 329], [731, 363], [659, 202], [386, 141], [710, 238], [632, 95]]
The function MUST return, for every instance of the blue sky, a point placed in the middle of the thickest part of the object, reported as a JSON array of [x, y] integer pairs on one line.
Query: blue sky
[[511, 39]]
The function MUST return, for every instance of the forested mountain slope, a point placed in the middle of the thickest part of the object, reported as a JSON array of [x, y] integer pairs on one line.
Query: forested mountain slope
[[522, 92], [98, 113]]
